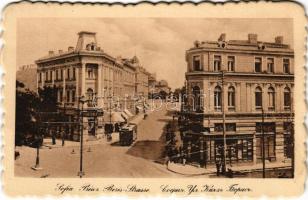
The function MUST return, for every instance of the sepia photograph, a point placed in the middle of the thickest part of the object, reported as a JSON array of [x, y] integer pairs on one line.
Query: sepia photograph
[[154, 99]]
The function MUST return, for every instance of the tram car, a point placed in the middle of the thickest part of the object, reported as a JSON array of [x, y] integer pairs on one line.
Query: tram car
[[128, 134]]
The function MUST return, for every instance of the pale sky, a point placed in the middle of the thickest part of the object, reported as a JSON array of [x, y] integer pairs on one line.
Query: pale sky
[[159, 43]]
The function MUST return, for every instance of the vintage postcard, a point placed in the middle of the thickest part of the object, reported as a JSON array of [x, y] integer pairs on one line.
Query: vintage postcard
[[154, 100]]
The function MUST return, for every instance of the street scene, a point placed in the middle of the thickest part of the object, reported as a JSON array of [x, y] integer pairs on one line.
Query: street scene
[[107, 100]]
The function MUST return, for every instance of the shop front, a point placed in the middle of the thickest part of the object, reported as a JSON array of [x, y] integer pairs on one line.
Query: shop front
[[207, 148]]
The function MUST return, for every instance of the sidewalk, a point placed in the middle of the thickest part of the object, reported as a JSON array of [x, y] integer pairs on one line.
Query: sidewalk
[[100, 140], [193, 170]]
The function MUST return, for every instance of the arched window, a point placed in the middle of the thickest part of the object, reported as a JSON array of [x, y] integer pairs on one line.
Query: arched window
[[231, 98], [271, 98], [217, 98], [258, 98], [197, 98], [287, 98]]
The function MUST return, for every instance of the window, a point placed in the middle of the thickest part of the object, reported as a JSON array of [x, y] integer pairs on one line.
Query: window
[[68, 74], [258, 98], [231, 61], [270, 65], [68, 96], [217, 98], [231, 98], [60, 96], [73, 95], [40, 77], [268, 127], [90, 73], [286, 65], [50, 75], [217, 63], [197, 98], [271, 98], [197, 63], [57, 75], [287, 98], [46, 76], [258, 64], [61, 74], [218, 127], [231, 127], [74, 73]]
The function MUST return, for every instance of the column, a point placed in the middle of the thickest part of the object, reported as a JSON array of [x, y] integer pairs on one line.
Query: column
[[225, 97], [265, 98], [52, 77], [99, 85], [43, 79], [37, 80], [83, 79], [64, 84], [237, 97], [77, 82]]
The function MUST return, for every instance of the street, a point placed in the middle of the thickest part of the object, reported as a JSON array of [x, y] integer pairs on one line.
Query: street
[[102, 159]]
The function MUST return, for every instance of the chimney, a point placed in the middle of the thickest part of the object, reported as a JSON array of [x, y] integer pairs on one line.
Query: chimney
[[70, 49], [222, 37], [279, 40], [60, 51], [252, 38], [51, 53]]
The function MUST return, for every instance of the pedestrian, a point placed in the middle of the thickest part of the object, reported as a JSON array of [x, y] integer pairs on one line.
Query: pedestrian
[[53, 137], [218, 163], [63, 137]]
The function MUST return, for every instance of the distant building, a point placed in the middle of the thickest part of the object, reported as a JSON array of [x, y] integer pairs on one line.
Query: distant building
[[158, 88], [27, 75], [88, 71], [142, 79], [257, 76]]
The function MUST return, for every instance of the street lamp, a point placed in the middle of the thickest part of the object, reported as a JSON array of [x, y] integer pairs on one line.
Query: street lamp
[[38, 140], [81, 100]]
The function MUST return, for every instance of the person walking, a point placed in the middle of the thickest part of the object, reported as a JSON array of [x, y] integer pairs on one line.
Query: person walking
[[218, 166], [53, 137], [63, 137]]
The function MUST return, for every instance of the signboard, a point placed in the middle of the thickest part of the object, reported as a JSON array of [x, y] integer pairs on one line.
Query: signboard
[[92, 113]]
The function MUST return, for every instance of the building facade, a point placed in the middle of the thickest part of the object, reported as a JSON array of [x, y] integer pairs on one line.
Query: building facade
[[251, 83], [90, 72]]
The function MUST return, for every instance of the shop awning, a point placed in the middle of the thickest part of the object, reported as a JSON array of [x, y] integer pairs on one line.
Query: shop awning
[[128, 113]]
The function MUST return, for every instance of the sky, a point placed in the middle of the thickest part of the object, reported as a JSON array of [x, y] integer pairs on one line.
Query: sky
[[159, 43]]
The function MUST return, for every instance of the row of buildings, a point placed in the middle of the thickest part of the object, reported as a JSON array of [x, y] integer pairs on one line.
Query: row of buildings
[[113, 84], [245, 85]]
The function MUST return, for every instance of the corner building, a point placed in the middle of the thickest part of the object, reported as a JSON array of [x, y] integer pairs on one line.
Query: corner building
[[90, 72], [241, 78]]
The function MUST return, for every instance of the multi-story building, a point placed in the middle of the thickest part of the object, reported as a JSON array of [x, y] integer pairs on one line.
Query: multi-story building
[[142, 79], [249, 82], [88, 71]]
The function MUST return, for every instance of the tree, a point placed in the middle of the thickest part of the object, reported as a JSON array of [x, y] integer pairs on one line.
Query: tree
[[32, 109], [26, 113]]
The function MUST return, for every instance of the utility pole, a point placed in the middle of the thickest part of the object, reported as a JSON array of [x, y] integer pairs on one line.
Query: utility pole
[[223, 120], [263, 144], [80, 100]]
